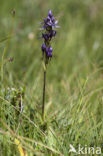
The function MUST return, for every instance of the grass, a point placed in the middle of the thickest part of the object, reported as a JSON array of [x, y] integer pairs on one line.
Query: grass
[[74, 111]]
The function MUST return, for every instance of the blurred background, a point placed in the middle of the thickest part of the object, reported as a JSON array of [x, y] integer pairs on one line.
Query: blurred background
[[77, 46]]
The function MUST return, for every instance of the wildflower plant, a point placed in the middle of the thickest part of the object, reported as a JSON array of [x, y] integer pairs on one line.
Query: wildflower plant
[[48, 26]]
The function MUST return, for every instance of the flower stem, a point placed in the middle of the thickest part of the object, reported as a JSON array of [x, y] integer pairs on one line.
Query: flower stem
[[43, 104]]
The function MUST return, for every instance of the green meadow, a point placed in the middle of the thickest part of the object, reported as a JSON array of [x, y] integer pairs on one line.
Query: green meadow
[[74, 82]]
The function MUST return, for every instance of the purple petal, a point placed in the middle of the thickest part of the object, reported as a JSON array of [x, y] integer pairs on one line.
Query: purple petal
[[43, 47], [50, 13], [56, 21]]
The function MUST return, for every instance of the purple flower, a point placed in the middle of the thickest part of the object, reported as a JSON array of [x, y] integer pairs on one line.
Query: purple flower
[[48, 25], [52, 33], [49, 22], [49, 51], [50, 13], [45, 36], [43, 47]]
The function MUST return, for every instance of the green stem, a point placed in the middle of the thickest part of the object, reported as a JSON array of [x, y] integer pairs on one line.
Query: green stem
[[43, 104]]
